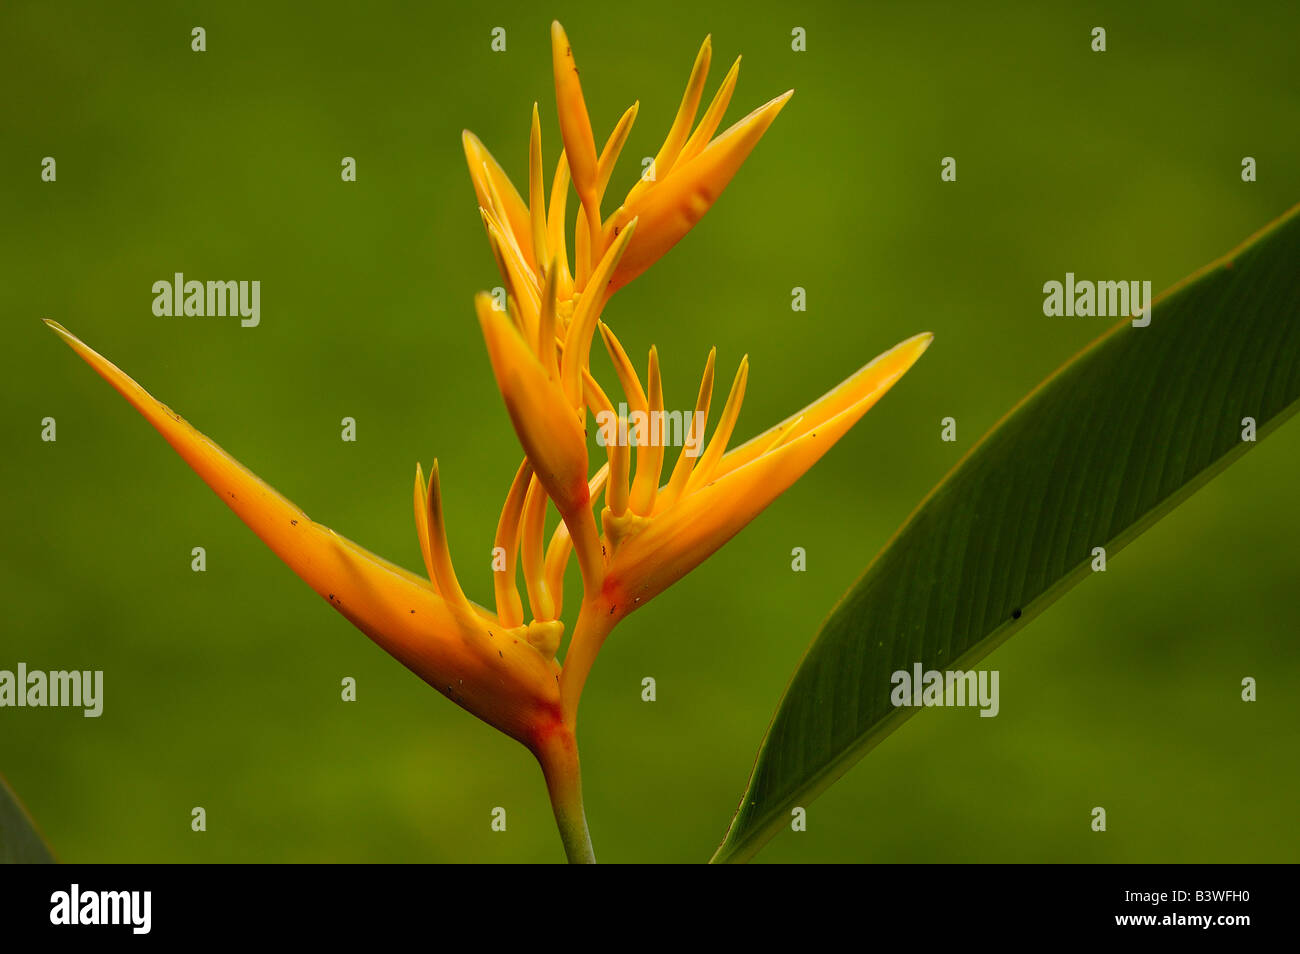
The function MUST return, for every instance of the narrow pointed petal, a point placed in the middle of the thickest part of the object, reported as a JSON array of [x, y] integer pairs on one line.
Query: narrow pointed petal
[[581, 251], [712, 116], [510, 608], [722, 433], [545, 422], [421, 498], [556, 225], [502, 681], [532, 554], [608, 157], [695, 440], [575, 128], [614, 147], [487, 174], [537, 195], [521, 283], [439, 552], [546, 324], [678, 540], [577, 341], [681, 128], [670, 209], [623, 368], [874, 378], [650, 450], [778, 438], [617, 492]]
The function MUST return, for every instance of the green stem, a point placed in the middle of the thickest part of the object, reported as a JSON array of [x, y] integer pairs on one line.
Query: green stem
[[558, 755]]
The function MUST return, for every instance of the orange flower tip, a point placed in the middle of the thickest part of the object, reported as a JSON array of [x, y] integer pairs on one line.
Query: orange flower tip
[[87, 353], [560, 47], [901, 357], [762, 117], [916, 343], [473, 146]]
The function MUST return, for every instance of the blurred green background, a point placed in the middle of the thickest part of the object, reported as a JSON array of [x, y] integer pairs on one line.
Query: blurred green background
[[222, 688]]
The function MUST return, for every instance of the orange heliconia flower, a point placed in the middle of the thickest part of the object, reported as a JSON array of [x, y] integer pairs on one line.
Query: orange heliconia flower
[[500, 663]]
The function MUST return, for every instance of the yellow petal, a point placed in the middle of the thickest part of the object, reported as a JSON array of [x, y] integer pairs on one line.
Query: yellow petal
[[650, 449], [605, 168], [532, 554], [487, 175], [521, 283], [616, 494], [699, 420], [712, 116], [681, 127], [546, 324], [556, 225], [510, 609], [582, 251], [613, 147], [722, 433], [421, 497], [623, 368], [439, 552], [577, 340], [537, 195], [575, 128], [672, 207], [545, 422]]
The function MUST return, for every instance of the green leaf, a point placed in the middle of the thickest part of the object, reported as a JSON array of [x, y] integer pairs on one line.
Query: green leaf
[[20, 842], [1093, 456]]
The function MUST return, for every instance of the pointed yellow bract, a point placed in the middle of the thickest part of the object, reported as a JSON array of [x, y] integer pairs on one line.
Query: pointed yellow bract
[[688, 529], [465, 654]]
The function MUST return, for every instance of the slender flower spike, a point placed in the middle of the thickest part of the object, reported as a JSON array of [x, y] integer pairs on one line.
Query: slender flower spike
[[656, 522]]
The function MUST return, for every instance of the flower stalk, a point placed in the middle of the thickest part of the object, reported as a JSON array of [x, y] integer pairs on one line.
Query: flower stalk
[[557, 753]]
